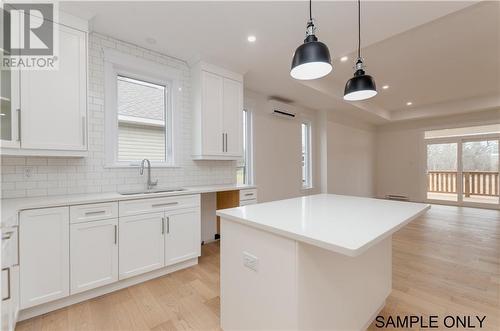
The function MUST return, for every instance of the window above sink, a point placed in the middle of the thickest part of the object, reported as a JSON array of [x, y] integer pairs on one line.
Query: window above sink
[[140, 103]]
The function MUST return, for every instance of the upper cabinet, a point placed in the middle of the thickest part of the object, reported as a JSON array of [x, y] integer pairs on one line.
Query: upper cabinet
[[218, 111], [46, 110]]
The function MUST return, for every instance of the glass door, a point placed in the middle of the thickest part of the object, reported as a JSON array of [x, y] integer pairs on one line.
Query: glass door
[[442, 171], [480, 170], [9, 105]]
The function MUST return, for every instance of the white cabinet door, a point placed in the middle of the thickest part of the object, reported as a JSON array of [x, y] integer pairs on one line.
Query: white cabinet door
[[54, 102], [212, 103], [232, 117], [94, 254], [43, 255], [183, 238], [142, 244]]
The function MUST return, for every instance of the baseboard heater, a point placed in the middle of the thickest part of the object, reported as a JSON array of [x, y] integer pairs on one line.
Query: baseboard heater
[[397, 197]]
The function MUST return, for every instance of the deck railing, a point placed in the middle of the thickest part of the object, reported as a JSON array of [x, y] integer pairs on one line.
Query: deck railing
[[484, 183]]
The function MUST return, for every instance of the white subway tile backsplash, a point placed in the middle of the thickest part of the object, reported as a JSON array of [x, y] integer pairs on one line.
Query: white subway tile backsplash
[[56, 176]]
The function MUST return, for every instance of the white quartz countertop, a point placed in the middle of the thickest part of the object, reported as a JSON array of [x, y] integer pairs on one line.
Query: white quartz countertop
[[342, 224], [11, 207]]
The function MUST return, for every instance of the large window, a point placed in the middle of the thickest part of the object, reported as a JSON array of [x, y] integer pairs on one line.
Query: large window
[[244, 171], [306, 155], [140, 98], [142, 118]]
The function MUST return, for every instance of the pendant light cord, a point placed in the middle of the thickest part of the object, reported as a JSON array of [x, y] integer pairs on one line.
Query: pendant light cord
[[310, 10], [359, 29]]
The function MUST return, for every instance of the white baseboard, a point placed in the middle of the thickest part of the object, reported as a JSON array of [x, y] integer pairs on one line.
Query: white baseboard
[[79, 297]]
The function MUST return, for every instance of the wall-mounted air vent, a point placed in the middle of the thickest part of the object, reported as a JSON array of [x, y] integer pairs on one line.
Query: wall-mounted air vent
[[282, 109]]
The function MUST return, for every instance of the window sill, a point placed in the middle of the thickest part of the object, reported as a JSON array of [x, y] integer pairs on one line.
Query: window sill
[[126, 166]]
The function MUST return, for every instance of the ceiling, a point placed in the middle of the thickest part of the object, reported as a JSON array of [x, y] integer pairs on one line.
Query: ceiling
[[434, 54]]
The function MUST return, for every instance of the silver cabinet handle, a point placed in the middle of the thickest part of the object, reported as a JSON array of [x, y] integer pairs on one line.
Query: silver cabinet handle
[[163, 225], [84, 133], [168, 224], [248, 194], [226, 142], [90, 213], [7, 235], [18, 124], [8, 284], [166, 204], [222, 142], [116, 234]]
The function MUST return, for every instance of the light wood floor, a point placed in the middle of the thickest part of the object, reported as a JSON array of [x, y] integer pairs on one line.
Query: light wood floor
[[446, 262]]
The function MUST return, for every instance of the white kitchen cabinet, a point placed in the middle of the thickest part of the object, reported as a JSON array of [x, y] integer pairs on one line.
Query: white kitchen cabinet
[[183, 235], [43, 255], [233, 117], [49, 117], [93, 254], [212, 126], [218, 111], [142, 244]]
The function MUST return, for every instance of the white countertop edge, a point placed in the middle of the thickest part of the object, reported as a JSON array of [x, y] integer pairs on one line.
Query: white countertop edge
[[351, 252], [10, 207]]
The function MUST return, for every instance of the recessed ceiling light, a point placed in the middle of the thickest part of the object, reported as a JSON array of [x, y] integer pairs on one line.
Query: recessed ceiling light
[[385, 87], [409, 103], [344, 58], [251, 39]]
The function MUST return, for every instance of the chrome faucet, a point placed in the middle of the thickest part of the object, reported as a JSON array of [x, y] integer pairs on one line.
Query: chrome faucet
[[150, 183]]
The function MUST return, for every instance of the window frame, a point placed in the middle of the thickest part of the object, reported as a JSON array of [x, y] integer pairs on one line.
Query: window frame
[[119, 64], [248, 155], [308, 184]]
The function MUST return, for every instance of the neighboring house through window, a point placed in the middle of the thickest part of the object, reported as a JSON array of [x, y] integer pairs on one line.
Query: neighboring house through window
[[141, 120]]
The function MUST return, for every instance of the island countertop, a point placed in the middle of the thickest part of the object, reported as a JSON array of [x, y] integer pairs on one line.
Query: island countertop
[[343, 224]]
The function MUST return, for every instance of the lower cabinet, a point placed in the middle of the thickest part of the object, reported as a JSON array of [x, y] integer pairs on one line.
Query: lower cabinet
[[183, 235], [142, 244], [69, 250], [94, 254], [43, 255]]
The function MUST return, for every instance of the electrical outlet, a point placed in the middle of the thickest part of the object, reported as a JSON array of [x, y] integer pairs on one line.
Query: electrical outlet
[[250, 261], [28, 172]]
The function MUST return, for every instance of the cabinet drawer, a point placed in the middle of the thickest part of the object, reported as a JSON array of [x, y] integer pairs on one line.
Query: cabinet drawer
[[248, 194], [248, 202], [93, 212], [152, 205]]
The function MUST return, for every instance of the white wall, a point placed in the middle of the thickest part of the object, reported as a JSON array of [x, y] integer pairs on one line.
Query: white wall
[[400, 152], [351, 159], [53, 176], [277, 151]]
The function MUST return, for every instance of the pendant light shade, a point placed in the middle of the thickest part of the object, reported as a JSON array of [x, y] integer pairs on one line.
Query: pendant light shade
[[361, 86], [311, 59]]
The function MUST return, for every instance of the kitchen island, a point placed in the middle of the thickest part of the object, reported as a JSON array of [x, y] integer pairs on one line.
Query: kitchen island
[[316, 262]]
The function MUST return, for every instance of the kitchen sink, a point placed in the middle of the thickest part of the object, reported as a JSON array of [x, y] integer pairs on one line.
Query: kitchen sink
[[159, 190]]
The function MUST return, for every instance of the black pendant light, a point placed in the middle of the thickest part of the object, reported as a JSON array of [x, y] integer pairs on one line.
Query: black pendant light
[[311, 59], [361, 86]]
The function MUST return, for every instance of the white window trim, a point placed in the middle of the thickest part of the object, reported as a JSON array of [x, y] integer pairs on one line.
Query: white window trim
[[249, 149], [309, 182], [117, 63]]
